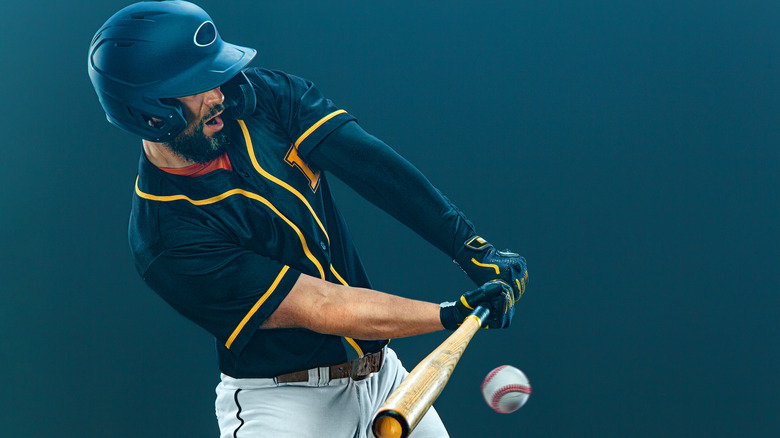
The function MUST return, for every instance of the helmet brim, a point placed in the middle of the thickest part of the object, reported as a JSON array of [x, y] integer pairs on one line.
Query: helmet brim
[[209, 73]]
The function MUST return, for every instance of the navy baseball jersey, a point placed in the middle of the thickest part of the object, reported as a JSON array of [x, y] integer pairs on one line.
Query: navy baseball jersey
[[226, 247]]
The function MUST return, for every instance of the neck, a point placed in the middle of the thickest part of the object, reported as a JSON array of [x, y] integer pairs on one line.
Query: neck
[[162, 156]]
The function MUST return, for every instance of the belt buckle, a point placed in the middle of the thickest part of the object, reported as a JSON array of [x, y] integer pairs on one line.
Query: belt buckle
[[361, 367]]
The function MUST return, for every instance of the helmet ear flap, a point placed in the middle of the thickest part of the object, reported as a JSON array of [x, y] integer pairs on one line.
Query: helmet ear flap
[[240, 97], [155, 126], [167, 127], [156, 122]]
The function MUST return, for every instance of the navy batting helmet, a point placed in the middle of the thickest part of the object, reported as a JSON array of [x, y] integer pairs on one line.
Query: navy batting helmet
[[150, 52]]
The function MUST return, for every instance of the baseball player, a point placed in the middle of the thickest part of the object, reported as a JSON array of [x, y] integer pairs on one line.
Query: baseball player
[[233, 224]]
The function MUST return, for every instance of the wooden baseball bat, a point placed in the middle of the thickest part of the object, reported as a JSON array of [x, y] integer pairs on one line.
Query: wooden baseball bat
[[406, 406]]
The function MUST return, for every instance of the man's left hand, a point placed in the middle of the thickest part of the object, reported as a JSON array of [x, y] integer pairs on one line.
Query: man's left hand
[[482, 263]]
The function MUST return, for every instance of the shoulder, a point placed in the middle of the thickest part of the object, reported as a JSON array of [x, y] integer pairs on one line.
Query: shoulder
[[275, 79], [170, 209], [279, 94]]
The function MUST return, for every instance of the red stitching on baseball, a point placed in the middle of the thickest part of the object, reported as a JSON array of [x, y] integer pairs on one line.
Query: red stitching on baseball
[[491, 375], [505, 390]]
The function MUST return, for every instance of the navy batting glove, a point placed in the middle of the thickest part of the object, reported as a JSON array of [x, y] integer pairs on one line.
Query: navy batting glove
[[495, 295], [482, 263]]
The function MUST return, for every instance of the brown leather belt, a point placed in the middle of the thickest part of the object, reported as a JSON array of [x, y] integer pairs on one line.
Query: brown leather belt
[[357, 369]]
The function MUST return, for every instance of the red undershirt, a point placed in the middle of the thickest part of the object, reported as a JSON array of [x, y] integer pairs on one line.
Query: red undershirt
[[221, 162]]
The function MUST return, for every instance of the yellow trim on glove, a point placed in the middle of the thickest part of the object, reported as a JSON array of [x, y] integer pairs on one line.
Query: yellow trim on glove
[[482, 265]]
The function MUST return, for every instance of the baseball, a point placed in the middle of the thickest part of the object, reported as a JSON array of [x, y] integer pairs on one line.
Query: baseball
[[506, 389]]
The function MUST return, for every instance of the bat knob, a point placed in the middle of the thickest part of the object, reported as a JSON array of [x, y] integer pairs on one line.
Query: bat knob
[[388, 427]]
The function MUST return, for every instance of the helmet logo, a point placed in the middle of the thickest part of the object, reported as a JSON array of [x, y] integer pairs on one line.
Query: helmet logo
[[205, 35]]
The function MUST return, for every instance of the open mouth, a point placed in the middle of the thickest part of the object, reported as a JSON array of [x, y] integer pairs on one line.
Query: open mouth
[[215, 122]]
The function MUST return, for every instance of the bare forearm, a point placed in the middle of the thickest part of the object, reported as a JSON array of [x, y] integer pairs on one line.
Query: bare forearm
[[376, 315], [355, 312]]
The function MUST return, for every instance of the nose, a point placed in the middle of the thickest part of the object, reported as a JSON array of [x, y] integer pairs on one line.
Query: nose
[[214, 97]]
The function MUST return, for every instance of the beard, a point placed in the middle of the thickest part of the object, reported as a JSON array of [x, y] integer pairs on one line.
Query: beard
[[192, 144]]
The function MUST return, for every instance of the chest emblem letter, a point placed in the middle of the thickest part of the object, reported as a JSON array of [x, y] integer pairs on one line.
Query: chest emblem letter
[[293, 159]]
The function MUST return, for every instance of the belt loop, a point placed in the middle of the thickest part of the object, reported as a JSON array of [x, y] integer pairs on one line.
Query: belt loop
[[314, 377], [324, 376]]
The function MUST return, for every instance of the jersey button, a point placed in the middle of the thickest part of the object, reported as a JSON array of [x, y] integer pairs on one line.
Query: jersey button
[[323, 246]]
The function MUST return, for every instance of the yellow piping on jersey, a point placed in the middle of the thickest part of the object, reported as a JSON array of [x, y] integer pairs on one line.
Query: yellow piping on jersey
[[256, 197], [256, 306], [276, 180], [336, 274], [332, 269], [317, 125], [349, 340], [227, 194], [355, 346], [486, 265]]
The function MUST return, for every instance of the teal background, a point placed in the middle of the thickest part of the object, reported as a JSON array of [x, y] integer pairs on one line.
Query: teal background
[[628, 149]]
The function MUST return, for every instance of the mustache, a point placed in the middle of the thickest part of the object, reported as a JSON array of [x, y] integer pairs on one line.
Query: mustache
[[216, 109]]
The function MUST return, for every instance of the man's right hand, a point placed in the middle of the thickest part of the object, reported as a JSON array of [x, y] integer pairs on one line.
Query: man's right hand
[[496, 295]]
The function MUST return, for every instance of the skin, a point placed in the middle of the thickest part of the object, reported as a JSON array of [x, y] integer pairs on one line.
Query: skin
[[196, 108], [313, 303]]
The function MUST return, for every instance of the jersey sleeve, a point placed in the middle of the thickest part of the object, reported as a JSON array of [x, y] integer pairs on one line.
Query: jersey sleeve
[[226, 289], [305, 113], [386, 179]]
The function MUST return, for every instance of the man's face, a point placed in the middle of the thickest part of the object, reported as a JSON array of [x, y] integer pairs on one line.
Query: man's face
[[205, 137]]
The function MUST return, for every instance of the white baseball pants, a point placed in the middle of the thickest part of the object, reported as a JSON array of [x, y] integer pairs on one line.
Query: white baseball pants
[[339, 408]]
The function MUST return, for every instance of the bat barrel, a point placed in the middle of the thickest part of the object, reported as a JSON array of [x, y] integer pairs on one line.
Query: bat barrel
[[406, 406]]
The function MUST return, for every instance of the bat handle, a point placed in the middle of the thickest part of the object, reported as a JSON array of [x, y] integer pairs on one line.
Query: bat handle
[[481, 313], [390, 423]]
